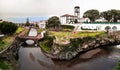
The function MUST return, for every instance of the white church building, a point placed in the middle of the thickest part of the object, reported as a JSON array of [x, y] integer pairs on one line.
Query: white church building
[[73, 19]]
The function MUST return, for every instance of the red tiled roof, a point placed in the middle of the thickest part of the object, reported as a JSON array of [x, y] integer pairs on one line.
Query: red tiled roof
[[43, 20], [67, 15]]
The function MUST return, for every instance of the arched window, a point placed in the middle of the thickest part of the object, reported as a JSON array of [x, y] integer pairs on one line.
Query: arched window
[[114, 28], [107, 28]]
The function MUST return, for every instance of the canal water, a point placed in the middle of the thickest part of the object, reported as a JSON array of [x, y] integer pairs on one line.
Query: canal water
[[34, 59]]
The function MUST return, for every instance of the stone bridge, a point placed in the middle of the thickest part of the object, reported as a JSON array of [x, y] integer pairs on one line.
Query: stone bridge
[[19, 41]]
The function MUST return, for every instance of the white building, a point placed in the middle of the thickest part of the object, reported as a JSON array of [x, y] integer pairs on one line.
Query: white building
[[84, 20], [67, 19], [101, 19], [42, 24], [70, 19], [73, 19], [97, 26]]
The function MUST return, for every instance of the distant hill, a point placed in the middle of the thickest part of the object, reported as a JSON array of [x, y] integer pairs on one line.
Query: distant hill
[[23, 19]]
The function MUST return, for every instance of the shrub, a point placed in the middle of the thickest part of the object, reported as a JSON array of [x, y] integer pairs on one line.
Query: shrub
[[117, 66], [4, 65], [88, 38], [47, 43], [8, 27], [48, 40]]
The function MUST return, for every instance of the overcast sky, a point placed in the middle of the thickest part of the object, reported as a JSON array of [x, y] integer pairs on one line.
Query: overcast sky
[[46, 8]]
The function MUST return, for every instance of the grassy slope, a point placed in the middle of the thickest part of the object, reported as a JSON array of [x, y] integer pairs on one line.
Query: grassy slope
[[20, 29], [67, 35], [44, 47], [5, 42], [63, 36]]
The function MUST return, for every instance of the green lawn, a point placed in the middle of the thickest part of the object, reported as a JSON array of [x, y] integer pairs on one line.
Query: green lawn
[[62, 36], [40, 30]]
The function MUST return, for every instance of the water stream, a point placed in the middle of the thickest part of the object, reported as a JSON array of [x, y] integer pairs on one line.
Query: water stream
[[34, 59]]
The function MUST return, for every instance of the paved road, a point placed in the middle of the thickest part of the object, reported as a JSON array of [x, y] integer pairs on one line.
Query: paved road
[[33, 32]]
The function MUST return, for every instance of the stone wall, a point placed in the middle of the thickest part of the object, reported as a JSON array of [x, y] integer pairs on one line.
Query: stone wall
[[61, 53]]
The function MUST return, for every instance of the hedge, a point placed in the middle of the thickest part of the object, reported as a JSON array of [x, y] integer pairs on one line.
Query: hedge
[[67, 27]]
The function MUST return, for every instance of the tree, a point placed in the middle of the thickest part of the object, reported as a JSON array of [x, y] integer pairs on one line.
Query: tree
[[106, 15], [107, 28], [76, 21], [8, 27], [27, 22], [92, 14], [53, 22], [111, 15]]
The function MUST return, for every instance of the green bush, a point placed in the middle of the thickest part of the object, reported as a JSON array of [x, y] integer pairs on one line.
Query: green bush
[[67, 27], [48, 40], [4, 65], [74, 43], [117, 66], [47, 43], [88, 38]]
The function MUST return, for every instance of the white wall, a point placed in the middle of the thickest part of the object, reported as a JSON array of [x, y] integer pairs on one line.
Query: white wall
[[99, 27], [63, 20], [42, 24]]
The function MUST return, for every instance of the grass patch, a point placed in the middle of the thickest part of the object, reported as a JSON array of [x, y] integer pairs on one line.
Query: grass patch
[[44, 47], [47, 43], [5, 65], [20, 29], [40, 30], [5, 42], [62, 36], [24, 32]]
